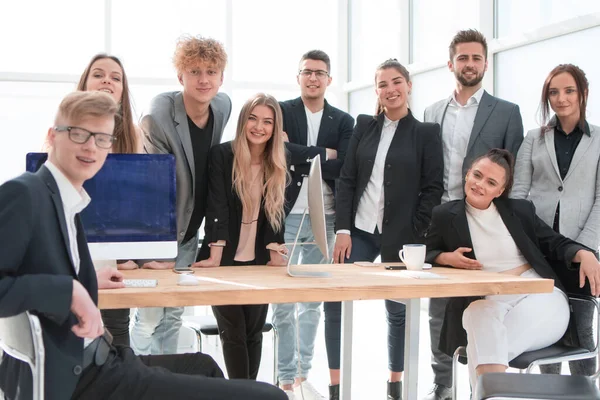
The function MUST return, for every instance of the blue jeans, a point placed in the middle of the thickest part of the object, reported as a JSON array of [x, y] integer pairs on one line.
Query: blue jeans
[[297, 338], [366, 247], [156, 329]]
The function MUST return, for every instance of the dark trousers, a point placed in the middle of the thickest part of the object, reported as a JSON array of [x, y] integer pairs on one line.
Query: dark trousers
[[182, 376], [366, 247], [117, 323]]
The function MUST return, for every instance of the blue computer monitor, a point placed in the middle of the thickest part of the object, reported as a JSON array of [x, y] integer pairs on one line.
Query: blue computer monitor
[[132, 212]]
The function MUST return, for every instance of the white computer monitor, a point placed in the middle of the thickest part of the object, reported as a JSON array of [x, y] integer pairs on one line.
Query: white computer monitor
[[132, 212]]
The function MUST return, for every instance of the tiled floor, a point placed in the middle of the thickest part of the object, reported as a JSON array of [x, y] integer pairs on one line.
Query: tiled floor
[[370, 373]]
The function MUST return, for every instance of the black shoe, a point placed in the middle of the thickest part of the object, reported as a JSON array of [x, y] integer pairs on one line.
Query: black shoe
[[439, 392], [334, 392], [394, 390]]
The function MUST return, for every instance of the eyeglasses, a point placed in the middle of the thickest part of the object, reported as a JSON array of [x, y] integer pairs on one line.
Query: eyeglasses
[[319, 73], [81, 136]]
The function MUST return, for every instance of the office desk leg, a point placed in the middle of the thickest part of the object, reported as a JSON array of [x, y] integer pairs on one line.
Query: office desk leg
[[411, 346], [346, 359]]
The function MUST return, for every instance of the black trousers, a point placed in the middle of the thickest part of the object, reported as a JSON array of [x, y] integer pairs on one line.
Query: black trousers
[[182, 376], [117, 323]]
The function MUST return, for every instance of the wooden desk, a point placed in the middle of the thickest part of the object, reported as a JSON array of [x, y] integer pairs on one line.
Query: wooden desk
[[348, 282]]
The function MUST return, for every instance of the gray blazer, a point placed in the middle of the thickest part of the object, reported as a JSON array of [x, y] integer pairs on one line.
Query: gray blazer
[[497, 124], [166, 131], [537, 178]]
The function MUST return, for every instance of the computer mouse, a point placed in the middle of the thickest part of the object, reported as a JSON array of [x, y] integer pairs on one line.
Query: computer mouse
[[187, 280]]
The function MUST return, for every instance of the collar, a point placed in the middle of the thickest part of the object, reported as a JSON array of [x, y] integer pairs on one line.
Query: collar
[[73, 200], [555, 123], [474, 99]]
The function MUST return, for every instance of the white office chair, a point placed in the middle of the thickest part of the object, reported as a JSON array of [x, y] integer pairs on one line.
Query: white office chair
[[21, 338]]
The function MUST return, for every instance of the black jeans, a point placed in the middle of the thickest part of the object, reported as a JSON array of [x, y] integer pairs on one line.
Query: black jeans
[[240, 329], [117, 323], [181, 376], [366, 247]]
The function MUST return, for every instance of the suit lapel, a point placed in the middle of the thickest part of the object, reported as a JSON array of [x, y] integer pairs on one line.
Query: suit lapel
[[580, 151], [218, 121], [461, 226], [327, 122], [183, 131], [302, 124], [549, 141], [483, 113], [86, 267], [60, 211]]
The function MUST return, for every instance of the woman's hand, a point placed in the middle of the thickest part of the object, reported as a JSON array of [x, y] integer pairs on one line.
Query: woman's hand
[[457, 259], [210, 262], [342, 248], [589, 268], [159, 265], [128, 265], [277, 259]]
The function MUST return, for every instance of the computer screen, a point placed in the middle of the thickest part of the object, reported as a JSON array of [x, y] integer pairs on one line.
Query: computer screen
[[132, 212]]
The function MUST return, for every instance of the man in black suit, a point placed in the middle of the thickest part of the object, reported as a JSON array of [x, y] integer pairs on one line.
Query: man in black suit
[[313, 127], [47, 270]]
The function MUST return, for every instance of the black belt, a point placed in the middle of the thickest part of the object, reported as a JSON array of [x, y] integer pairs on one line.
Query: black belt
[[97, 352]]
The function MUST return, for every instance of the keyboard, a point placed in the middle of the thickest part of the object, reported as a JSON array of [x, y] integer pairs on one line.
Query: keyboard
[[140, 283]]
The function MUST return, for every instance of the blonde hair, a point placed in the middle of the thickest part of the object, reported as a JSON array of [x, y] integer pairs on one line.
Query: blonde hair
[[126, 138], [78, 106], [274, 163], [192, 50]]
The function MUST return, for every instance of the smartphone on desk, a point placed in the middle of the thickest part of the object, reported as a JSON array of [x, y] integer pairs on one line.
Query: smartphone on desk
[[184, 270], [395, 267]]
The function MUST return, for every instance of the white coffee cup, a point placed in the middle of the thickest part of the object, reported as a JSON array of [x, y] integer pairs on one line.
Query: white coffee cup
[[413, 256]]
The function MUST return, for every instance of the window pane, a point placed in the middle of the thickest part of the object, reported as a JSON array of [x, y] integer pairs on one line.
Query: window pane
[[516, 16], [142, 95], [448, 17], [145, 31], [374, 35], [267, 46], [50, 36], [428, 88], [362, 101], [524, 87], [27, 110]]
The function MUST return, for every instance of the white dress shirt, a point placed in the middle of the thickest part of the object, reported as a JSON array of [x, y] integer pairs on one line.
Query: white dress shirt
[[369, 214], [457, 126], [314, 123], [73, 202]]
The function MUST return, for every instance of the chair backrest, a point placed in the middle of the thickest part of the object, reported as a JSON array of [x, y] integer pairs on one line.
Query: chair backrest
[[586, 310], [21, 338]]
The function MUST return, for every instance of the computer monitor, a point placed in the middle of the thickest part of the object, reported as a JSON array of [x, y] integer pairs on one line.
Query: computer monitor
[[132, 212]]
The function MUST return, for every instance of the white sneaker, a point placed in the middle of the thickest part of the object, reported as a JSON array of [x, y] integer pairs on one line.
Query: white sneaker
[[306, 391], [290, 394]]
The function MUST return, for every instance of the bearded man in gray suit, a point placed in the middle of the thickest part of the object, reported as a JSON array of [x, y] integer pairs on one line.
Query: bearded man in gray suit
[[472, 122], [186, 124]]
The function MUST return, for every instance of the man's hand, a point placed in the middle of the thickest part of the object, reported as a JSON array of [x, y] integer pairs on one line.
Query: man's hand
[[109, 278], [159, 265], [331, 154], [457, 259], [342, 248], [88, 315], [590, 269], [128, 265], [210, 262], [277, 259]]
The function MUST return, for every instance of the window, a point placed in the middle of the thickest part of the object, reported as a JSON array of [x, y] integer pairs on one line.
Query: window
[[429, 87]]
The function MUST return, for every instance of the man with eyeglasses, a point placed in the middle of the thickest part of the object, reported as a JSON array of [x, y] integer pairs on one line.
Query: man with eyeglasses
[[47, 270], [313, 127]]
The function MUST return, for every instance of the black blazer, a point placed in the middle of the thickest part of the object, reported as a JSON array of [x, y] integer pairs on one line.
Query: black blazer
[[334, 133], [224, 214], [36, 275], [413, 179], [537, 241]]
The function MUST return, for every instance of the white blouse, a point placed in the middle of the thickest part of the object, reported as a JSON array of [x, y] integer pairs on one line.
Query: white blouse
[[493, 244]]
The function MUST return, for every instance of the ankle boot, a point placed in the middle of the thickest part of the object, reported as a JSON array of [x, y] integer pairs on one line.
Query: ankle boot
[[334, 392], [394, 390]]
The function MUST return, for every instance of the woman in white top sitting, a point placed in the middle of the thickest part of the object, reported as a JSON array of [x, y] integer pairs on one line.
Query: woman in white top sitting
[[488, 231]]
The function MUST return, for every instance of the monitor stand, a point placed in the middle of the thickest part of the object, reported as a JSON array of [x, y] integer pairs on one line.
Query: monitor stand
[[295, 273]]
